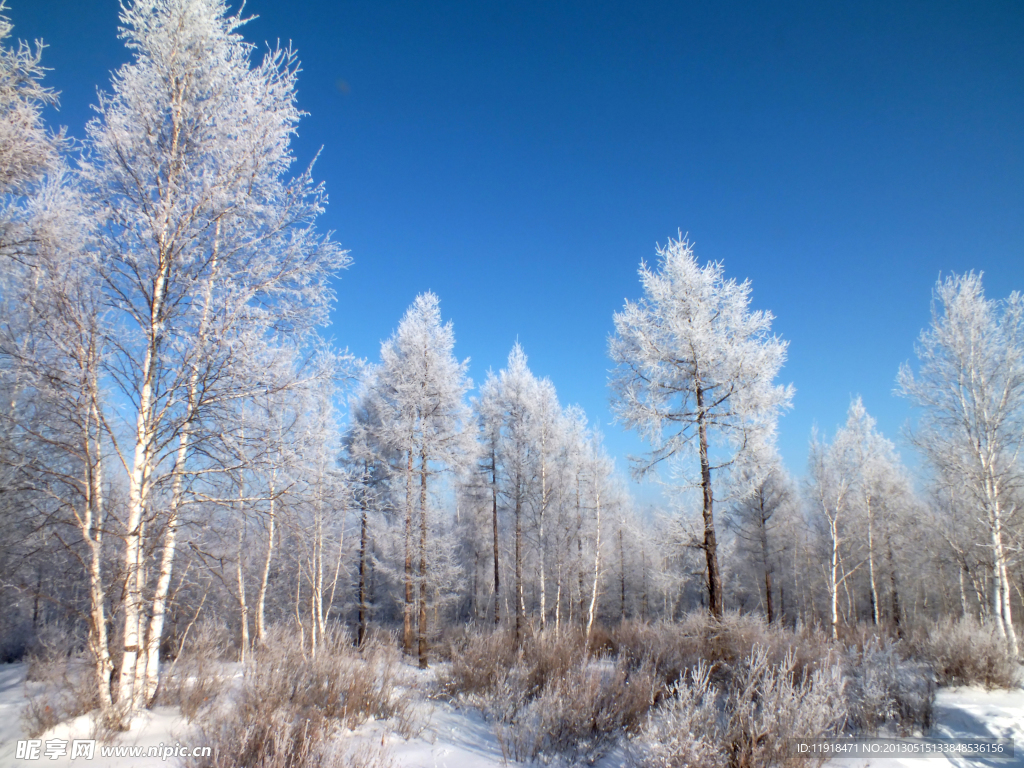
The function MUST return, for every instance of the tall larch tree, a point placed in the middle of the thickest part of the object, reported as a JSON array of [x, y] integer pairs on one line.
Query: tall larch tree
[[694, 362], [421, 389]]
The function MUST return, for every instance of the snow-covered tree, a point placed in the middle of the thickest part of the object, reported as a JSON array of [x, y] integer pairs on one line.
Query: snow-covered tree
[[419, 389], [506, 405], [28, 151], [970, 388], [208, 253], [693, 363], [765, 491]]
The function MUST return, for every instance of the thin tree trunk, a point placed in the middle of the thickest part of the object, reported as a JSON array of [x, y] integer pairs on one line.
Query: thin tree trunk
[[407, 607], [715, 599], [363, 535], [622, 578], [261, 601], [520, 604], [597, 570], [494, 525], [871, 564], [423, 651], [91, 526], [243, 604], [541, 543]]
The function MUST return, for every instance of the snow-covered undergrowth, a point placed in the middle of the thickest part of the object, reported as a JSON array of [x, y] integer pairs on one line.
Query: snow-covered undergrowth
[[705, 692], [964, 652], [291, 704], [718, 692]]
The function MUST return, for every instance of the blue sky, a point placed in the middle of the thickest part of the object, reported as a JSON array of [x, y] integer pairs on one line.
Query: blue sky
[[519, 159]]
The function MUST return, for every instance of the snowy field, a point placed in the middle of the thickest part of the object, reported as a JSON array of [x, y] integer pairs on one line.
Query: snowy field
[[451, 737]]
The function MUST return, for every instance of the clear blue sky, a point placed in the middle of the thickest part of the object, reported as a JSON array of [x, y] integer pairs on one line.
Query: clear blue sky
[[519, 159]]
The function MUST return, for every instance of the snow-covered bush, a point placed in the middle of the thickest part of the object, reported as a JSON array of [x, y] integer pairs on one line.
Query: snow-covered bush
[[684, 730], [964, 652], [57, 689], [884, 688], [60, 684], [479, 663], [748, 721], [195, 679], [769, 704], [291, 704], [579, 712], [675, 648]]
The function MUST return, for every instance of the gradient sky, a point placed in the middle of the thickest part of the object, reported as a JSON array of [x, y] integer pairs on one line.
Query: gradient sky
[[520, 159]]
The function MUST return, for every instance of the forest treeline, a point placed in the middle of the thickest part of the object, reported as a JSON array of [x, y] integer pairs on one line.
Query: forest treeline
[[180, 446]]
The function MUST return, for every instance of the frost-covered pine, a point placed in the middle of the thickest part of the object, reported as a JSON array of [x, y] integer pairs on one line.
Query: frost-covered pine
[[694, 363], [208, 252]]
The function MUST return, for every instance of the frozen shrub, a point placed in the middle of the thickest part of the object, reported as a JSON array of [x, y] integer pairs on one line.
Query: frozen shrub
[[965, 652], [684, 730], [478, 662], [675, 648], [767, 705], [580, 712], [748, 722], [58, 689], [195, 679], [290, 706], [885, 688]]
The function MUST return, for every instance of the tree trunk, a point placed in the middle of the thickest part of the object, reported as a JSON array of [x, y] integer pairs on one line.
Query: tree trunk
[[597, 571], [715, 600], [622, 578], [363, 534], [871, 564], [261, 600], [423, 652], [494, 520], [762, 520], [407, 607], [520, 603]]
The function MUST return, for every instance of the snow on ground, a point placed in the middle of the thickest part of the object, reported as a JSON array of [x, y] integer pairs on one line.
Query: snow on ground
[[446, 736], [965, 713]]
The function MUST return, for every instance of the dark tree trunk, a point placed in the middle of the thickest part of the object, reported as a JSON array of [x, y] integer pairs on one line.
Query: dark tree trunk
[[518, 597], [407, 607], [363, 536], [715, 600], [494, 523], [423, 650], [622, 578]]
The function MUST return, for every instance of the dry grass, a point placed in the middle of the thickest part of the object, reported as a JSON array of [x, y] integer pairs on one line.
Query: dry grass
[[676, 648], [195, 680], [885, 687], [63, 689], [746, 722], [964, 652], [290, 707]]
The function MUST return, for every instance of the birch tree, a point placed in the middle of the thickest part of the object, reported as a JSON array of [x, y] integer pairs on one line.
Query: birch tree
[[969, 386], [206, 250], [693, 363]]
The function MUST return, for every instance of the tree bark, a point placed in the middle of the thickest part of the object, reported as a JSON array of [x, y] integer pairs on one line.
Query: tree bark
[[715, 600], [423, 649], [494, 524]]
